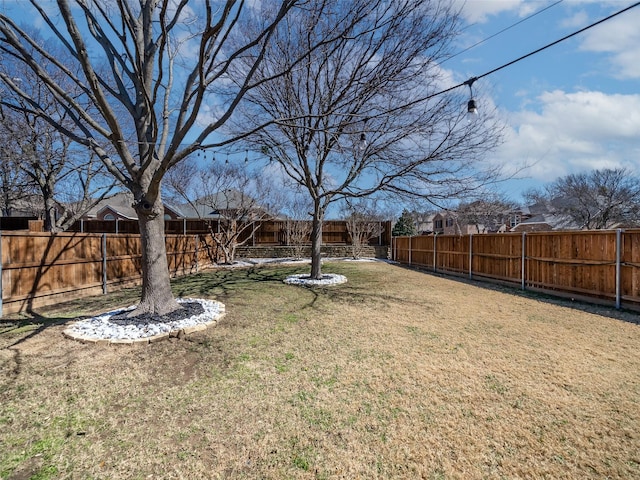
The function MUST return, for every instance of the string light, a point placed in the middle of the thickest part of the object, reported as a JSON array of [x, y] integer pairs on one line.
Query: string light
[[363, 137], [472, 109], [566, 37]]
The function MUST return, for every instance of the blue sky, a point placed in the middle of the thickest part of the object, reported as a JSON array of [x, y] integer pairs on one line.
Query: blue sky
[[571, 108]]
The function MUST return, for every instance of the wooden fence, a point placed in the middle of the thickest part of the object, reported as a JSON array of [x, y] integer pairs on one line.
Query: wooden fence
[[601, 266], [21, 223], [38, 269], [269, 232]]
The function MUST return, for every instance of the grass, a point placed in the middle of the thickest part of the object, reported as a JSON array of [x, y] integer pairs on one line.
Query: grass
[[395, 374]]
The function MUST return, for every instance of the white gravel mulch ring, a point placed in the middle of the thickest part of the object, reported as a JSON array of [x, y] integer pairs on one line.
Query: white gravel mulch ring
[[306, 280], [112, 327]]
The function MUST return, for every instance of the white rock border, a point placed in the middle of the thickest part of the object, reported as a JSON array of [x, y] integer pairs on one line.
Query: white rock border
[[304, 280], [100, 330]]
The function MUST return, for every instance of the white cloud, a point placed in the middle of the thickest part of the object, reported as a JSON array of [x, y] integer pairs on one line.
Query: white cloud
[[620, 37], [577, 20], [574, 132], [479, 11], [209, 113]]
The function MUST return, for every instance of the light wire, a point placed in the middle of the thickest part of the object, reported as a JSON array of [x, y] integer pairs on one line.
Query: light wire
[[503, 30], [470, 81]]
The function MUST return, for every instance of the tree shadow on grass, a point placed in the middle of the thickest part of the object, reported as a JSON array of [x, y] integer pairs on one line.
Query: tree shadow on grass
[[356, 291], [17, 328], [15, 332], [225, 282], [222, 284]]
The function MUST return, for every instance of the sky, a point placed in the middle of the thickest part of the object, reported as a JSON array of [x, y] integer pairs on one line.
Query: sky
[[572, 108]]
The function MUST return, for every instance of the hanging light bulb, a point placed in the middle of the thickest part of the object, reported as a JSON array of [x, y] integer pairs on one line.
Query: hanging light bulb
[[363, 142], [472, 108], [363, 137]]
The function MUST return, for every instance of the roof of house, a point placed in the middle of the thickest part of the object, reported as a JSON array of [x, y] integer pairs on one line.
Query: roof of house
[[555, 222], [122, 204], [126, 212], [211, 205]]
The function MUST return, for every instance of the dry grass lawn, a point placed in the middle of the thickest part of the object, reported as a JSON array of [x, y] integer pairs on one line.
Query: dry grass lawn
[[396, 374]]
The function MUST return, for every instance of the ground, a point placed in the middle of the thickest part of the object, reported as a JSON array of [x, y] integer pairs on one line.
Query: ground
[[395, 374]]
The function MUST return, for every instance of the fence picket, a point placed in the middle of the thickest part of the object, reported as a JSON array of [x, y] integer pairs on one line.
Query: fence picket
[[602, 265], [38, 268]]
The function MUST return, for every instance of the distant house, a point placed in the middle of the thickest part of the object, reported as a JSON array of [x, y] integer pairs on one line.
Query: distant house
[[223, 205], [27, 206], [423, 222], [120, 207], [447, 223], [545, 222], [543, 216]]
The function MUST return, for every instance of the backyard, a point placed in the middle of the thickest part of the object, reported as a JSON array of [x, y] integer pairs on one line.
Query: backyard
[[395, 374]]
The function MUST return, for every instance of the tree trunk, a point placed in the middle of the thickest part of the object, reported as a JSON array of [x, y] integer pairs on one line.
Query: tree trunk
[[226, 251], [156, 287], [232, 251], [50, 216], [316, 243]]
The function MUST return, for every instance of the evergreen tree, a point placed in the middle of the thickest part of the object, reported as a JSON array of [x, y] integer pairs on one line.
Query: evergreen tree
[[404, 227]]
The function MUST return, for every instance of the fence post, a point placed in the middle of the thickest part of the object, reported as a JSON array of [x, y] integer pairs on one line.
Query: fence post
[[435, 261], [394, 249], [523, 285], [117, 222], [253, 234], [410, 237], [470, 255], [618, 267], [104, 263], [184, 226], [197, 243]]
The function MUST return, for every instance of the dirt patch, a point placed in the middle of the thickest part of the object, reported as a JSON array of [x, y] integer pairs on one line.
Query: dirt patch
[[394, 374]]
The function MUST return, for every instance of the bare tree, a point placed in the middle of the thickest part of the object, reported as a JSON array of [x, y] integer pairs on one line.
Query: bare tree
[[598, 199], [16, 188], [363, 224], [486, 215], [69, 179], [232, 196], [154, 77], [365, 113], [298, 224]]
